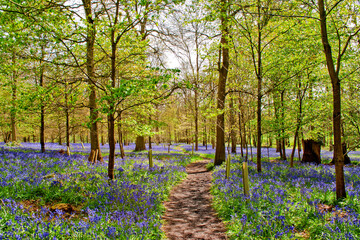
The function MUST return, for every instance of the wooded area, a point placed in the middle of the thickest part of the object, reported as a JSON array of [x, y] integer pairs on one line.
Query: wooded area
[[260, 73], [74, 70]]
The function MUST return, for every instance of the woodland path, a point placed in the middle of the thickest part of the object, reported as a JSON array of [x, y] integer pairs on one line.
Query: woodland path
[[189, 214]]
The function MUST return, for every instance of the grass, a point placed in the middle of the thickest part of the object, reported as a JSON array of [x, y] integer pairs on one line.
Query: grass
[[210, 166]]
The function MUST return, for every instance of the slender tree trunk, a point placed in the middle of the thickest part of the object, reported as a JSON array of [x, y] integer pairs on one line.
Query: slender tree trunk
[[67, 116], [298, 125], [196, 91], [111, 135], [13, 105], [241, 134], [259, 98], [196, 120], [205, 135], [42, 107], [122, 151], [111, 114], [232, 126], [283, 145], [251, 151], [170, 137], [157, 136], [59, 136], [293, 150], [67, 127], [279, 142], [213, 130], [223, 71], [335, 81]]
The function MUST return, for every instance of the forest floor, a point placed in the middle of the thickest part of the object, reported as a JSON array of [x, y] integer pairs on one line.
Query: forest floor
[[189, 214]]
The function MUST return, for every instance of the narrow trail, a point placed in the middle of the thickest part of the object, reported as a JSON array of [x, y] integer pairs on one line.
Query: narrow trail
[[189, 214]]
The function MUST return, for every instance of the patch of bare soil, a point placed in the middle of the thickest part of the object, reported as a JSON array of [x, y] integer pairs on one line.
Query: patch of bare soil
[[189, 214], [324, 208], [69, 211]]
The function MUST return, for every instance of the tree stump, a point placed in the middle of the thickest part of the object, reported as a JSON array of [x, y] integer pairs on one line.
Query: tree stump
[[311, 152], [140, 143], [61, 151], [346, 157]]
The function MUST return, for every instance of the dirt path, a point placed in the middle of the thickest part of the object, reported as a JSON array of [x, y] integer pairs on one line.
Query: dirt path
[[189, 214]]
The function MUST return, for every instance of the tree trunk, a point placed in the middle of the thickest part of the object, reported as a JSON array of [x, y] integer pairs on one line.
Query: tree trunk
[[111, 134], [90, 46], [241, 136], [311, 152], [196, 120], [241, 127], [251, 152], [42, 107], [13, 105], [223, 71], [59, 136], [282, 125], [232, 126], [335, 81], [205, 135], [259, 89], [346, 157], [213, 130], [298, 124], [140, 143], [294, 147], [67, 116], [170, 137], [122, 151], [278, 147]]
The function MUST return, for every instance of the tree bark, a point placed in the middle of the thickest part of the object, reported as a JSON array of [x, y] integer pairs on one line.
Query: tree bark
[[335, 81], [282, 125], [346, 157], [241, 128], [311, 152], [205, 135], [196, 120], [112, 104], [294, 147], [13, 105], [223, 71], [67, 116], [140, 143], [90, 65], [298, 124], [42, 107], [111, 134], [59, 136], [122, 151], [232, 126], [258, 111]]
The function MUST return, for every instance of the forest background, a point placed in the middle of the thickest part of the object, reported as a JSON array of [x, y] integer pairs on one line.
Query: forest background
[[260, 73]]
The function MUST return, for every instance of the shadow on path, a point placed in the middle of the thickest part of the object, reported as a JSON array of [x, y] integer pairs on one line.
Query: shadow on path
[[189, 214]]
